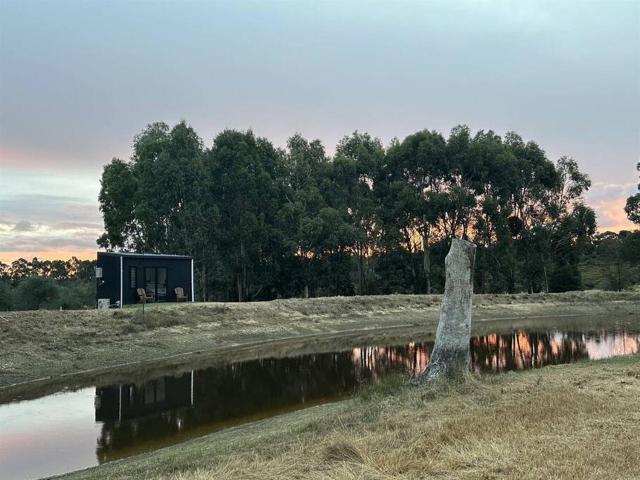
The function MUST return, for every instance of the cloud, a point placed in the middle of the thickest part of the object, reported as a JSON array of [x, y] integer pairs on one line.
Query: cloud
[[59, 241], [46, 242], [48, 216], [24, 226], [77, 226], [608, 201]]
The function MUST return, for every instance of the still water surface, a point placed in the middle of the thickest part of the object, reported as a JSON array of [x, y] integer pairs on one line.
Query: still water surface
[[71, 430]]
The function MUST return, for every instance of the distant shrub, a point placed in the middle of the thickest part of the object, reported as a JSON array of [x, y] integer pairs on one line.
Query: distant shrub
[[565, 278], [76, 294], [34, 293], [6, 296]]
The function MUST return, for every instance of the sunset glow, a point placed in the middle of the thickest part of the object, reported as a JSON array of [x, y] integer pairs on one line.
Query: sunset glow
[[580, 98]]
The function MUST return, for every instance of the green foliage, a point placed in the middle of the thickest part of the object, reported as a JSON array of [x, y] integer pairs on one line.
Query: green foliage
[[34, 293], [565, 278], [613, 262], [632, 208], [48, 284], [264, 223], [6, 296], [74, 295]]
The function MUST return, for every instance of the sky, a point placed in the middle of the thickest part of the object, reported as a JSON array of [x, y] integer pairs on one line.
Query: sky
[[78, 79]]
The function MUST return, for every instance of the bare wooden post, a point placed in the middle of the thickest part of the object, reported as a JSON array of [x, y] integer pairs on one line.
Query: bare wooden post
[[450, 356]]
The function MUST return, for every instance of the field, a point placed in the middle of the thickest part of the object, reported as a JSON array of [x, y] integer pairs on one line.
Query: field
[[44, 349], [574, 421]]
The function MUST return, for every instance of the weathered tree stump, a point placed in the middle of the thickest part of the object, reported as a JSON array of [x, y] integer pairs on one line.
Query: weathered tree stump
[[450, 357]]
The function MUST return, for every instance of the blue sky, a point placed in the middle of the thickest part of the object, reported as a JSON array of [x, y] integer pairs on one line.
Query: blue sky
[[79, 79]]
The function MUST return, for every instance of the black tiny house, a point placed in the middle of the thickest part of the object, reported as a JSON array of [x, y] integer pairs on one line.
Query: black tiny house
[[119, 275]]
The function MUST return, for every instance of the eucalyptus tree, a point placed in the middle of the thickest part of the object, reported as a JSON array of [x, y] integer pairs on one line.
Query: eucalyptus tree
[[395, 243], [149, 206], [5, 271], [20, 269], [322, 232], [489, 171], [118, 187], [146, 201], [356, 166], [533, 179], [571, 225], [307, 168], [416, 176], [632, 207], [241, 169]]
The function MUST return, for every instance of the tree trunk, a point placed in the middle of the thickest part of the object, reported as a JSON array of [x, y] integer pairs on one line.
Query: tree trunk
[[546, 280], [426, 258], [241, 274], [204, 282], [245, 290], [361, 270], [450, 357], [239, 286], [426, 264]]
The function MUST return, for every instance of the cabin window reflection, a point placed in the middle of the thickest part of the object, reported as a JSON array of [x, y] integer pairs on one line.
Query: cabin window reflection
[[154, 391], [148, 393], [160, 395], [133, 283]]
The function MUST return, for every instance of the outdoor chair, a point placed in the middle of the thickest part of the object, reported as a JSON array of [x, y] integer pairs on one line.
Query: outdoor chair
[[145, 297], [180, 295]]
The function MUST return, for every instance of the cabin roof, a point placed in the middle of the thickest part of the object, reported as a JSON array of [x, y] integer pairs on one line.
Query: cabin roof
[[146, 255]]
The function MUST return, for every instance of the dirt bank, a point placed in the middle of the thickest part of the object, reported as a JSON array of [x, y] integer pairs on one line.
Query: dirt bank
[[574, 421], [50, 347]]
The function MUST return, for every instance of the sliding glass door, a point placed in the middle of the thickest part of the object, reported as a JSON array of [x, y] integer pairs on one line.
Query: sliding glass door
[[161, 285], [155, 281]]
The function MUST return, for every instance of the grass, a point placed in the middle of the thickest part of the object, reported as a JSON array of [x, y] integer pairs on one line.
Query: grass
[[54, 347], [575, 421]]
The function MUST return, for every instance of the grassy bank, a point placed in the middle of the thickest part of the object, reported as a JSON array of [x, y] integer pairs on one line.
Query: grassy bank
[[76, 346], [572, 421]]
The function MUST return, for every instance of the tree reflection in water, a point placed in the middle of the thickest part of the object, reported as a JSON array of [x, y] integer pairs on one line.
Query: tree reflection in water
[[167, 410]]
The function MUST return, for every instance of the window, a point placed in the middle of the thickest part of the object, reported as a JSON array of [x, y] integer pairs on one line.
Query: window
[[155, 281], [132, 277], [150, 280], [161, 288]]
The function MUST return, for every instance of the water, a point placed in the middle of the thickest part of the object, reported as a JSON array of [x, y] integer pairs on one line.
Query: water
[[72, 430]]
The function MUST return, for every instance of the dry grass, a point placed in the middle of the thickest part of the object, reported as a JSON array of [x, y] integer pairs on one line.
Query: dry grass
[[40, 344], [576, 421], [538, 427]]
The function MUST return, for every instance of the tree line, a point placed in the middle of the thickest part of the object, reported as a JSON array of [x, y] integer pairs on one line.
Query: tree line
[[47, 284], [265, 222], [611, 261]]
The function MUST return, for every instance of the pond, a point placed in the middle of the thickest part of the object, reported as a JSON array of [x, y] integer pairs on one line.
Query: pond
[[71, 430]]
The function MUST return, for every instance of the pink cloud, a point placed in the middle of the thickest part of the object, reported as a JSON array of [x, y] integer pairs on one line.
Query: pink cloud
[[608, 200]]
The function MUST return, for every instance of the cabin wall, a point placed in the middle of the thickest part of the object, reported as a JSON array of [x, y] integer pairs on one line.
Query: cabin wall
[[109, 285]]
